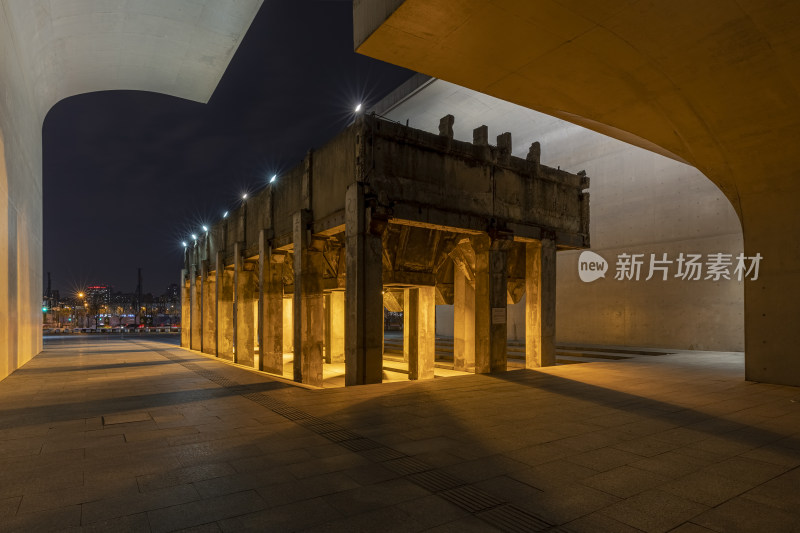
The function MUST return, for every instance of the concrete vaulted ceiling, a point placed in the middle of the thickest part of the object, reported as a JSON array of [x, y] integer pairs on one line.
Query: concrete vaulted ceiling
[[713, 83]]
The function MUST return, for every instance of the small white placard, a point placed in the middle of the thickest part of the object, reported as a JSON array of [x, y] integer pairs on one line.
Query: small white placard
[[498, 315]]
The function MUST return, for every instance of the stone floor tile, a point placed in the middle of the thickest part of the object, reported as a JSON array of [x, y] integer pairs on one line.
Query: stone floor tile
[[135, 523], [206, 510], [706, 488], [745, 515], [654, 511], [598, 522], [118, 506], [50, 520], [468, 524], [375, 496], [291, 517], [624, 481], [604, 459]]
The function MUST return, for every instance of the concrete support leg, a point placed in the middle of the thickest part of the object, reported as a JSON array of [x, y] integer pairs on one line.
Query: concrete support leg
[[334, 333], [270, 308], [186, 310], [309, 314], [225, 312], [420, 305], [540, 303], [288, 325], [209, 311], [245, 312], [463, 323], [364, 313], [490, 305], [197, 318]]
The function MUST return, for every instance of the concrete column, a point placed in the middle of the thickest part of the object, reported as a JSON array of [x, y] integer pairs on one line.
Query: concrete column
[[196, 318], [209, 310], [540, 303], [288, 324], [225, 311], [420, 305], [364, 313], [270, 308], [309, 314], [490, 305], [186, 310], [463, 323], [245, 287], [334, 332]]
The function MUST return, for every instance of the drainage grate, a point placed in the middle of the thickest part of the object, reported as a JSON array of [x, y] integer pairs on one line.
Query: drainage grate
[[381, 454], [435, 481], [125, 418], [513, 519], [359, 444], [339, 436], [471, 499], [407, 465]]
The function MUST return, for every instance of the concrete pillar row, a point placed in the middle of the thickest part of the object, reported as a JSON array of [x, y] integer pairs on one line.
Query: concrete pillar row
[[540, 303], [270, 307], [364, 292], [309, 314], [420, 336], [490, 304], [244, 304]]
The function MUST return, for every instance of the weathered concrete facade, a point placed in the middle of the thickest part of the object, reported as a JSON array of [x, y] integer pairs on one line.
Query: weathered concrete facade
[[386, 215]]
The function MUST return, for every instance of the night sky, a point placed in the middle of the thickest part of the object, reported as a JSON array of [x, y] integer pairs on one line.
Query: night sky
[[128, 175]]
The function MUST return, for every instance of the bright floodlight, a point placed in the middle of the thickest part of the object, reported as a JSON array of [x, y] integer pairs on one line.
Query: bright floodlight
[[194, 236], [273, 178], [244, 196], [358, 107], [205, 228], [225, 214], [184, 244]]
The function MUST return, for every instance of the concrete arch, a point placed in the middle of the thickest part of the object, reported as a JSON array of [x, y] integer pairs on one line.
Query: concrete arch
[[53, 50], [715, 84]]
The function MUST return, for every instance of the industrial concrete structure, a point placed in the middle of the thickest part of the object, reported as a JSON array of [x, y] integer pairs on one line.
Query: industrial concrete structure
[[53, 50], [713, 85], [387, 215], [642, 202]]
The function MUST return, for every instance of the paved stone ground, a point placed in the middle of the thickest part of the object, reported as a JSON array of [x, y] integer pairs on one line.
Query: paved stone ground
[[102, 434]]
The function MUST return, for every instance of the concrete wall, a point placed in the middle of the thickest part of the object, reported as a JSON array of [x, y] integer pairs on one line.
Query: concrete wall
[[52, 50], [641, 202]]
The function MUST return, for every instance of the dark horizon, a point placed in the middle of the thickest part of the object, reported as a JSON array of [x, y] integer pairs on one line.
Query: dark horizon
[[128, 175]]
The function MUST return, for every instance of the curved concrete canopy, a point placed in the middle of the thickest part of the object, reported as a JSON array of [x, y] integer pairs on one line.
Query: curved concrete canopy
[[714, 83], [53, 49], [176, 47]]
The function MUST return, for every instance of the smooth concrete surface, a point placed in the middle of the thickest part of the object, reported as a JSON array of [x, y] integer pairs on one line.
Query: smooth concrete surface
[[109, 434], [53, 50], [641, 202], [715, 86]]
